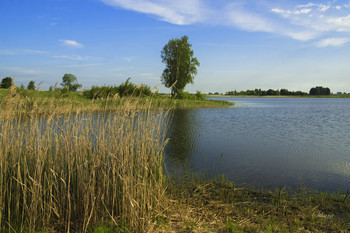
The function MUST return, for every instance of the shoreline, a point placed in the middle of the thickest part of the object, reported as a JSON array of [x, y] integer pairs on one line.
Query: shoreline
[[220, 206]]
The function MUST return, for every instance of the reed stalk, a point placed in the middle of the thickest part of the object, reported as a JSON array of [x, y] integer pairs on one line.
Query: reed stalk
[[66, 169]]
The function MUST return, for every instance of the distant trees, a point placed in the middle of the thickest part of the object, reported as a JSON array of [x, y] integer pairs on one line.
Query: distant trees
[[319, 90], [70, 82], [270, 92], [181, 66], [31, 85], [6, 83]]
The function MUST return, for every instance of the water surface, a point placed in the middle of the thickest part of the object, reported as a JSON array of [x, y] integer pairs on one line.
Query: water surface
[[267, 142]]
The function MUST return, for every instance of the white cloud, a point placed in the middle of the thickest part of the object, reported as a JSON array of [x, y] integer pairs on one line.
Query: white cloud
[[306, 5], [301, 22], [332, 42], [324, 8], [341, 23], [287, 13], [179, 12], [71, 43], [301, 35], [325, 20], [76, 57], [248, 21]]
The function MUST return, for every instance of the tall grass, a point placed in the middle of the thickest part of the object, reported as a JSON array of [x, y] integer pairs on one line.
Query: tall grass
[[68, 173]]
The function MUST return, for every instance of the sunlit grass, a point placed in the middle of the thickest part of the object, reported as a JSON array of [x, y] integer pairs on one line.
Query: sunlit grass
[[201, 205], [66, 169]]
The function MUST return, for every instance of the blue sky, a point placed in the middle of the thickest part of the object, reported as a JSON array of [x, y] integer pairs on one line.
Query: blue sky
[[240, 44]]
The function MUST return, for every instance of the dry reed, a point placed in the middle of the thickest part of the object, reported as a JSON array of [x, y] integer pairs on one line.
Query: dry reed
[[63, 169]]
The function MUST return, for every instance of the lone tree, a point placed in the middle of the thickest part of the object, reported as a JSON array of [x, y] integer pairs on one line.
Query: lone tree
[[181, 66], [320, 91], [31, 85], [6, 82], [70, 81]]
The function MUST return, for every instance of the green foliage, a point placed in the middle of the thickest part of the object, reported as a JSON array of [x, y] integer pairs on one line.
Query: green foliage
[[64, 90], [31, 85], [125, 89], [6, 83], [200, 95], [70, 81], [319, 90], [181, 66], [184, 95]]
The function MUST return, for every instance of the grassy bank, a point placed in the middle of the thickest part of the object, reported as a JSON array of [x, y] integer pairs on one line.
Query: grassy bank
[[46, 101], [220, 206]]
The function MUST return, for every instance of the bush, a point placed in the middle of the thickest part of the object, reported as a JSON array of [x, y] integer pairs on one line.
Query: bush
[[125, 89], [187, 96], [200, 95], [6, 83]]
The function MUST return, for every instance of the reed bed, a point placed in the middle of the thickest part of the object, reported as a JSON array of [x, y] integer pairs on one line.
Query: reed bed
[[65, 169]]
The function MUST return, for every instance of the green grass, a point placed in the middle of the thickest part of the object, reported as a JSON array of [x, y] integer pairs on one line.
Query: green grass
[[76, 100]]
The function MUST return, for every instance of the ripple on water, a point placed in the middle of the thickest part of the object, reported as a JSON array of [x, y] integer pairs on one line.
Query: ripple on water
[[268, 141]]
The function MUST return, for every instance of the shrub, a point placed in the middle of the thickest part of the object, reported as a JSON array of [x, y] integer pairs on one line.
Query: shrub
[[6, 83], [125, 89]]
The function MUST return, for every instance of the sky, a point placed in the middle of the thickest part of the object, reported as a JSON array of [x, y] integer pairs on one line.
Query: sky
[[240, 44]]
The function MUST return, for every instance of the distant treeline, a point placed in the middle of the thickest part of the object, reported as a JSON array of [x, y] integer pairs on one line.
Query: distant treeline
[[319, 90], [259, 92]]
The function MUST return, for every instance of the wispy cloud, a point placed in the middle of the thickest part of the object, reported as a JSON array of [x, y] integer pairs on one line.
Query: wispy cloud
[[71, 43], [318, 19], [332, 42], [179, 12], [340, 24], [301, 22], [20, 71], [76, 57], [84, 65], [21, 51]]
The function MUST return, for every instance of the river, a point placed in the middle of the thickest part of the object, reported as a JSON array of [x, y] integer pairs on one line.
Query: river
[[265, 142]]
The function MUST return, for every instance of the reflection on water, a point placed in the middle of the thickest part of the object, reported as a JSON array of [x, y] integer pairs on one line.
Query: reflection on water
[[268, 142], [183, 140]]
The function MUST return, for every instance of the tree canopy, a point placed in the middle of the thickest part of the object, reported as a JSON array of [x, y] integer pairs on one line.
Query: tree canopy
[[31, 85], [6, 82], [70, 81], [181, 66], [320, 91]]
